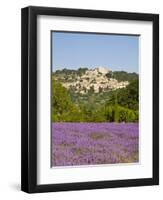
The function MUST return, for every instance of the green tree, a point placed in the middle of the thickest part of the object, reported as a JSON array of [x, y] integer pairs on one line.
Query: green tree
[[62, 104], [116, 109]]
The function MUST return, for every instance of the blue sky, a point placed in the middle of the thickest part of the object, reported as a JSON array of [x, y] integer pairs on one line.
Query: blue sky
[[74, 50]]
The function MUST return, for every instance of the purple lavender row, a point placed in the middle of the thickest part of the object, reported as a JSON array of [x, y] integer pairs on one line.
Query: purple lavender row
[[94, 143]]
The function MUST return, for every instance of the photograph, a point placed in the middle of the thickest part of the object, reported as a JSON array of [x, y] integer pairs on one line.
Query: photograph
[[94, 98], [89, 99]]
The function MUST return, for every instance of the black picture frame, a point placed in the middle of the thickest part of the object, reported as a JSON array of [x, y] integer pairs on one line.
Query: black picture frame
[[29, 99]]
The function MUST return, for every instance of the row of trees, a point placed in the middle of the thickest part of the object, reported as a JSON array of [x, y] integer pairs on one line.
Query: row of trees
[[119, 106]]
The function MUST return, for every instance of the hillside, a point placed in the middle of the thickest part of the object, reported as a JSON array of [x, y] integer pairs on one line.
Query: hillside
[[97, 80], [94, 95]]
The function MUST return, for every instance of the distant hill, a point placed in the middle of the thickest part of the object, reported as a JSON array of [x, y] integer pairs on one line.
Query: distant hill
[[100, 79], [124, 76], [95, 95]]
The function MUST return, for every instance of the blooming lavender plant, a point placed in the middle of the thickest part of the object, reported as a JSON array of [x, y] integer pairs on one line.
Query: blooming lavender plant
[[94, 143]]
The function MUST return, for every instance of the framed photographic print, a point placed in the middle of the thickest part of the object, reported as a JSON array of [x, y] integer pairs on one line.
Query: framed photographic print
[[90, 99]]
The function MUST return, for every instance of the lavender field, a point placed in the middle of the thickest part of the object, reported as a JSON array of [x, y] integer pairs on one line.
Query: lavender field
[[94, 143]]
